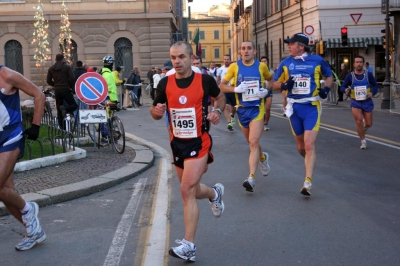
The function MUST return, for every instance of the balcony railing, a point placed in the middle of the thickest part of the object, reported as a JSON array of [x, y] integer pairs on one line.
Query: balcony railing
[[394, 6]]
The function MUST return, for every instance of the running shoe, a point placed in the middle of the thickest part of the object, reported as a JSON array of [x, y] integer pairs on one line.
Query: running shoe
[[249, 184], [363, 145], [233, 120], [186, 250], [230, 127], [264, 166], [217, 206], [306, 189], [30, 219], [30, 241], [266, 128]]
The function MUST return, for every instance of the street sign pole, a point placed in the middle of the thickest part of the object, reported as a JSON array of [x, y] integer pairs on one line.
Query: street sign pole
[[386, 84]]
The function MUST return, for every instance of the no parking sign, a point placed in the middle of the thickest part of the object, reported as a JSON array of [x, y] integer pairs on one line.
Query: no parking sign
[[91, 88]]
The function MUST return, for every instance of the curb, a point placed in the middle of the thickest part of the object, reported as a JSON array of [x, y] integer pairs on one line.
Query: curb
[[144, 160]]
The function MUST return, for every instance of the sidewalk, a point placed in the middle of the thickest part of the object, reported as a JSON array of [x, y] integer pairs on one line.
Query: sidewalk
[[101, 169]]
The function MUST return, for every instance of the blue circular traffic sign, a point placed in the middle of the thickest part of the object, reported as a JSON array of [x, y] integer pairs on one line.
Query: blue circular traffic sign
[[91, 88]]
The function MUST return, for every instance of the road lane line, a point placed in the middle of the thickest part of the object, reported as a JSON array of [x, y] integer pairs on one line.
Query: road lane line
[[156, 245], [124, 226], [351, 133]]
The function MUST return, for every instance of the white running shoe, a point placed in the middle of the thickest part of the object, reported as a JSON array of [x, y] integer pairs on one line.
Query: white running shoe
[[264, 166], [217, 206], [306, 189], [30, 219], [363, 145], [185, 251], [249, 184], [266, 128], [30, 241]]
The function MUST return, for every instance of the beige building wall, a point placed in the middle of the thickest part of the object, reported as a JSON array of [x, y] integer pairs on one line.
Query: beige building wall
[[95, 25]]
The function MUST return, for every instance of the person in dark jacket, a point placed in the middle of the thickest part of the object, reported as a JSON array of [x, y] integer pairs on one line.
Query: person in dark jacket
[[79, 70], [60, 77]]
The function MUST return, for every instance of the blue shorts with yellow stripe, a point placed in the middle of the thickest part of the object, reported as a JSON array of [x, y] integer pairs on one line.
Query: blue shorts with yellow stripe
[[248, 114], [306, 116], [366, 106]]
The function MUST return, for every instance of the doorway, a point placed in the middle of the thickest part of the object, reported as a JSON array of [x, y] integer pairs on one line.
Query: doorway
[[344, 58]]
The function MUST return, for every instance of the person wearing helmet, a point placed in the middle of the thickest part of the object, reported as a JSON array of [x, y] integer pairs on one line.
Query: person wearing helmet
[[109, 77]]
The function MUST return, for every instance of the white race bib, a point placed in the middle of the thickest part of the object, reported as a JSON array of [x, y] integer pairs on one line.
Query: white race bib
[[360, 93], [183, 121], [251, 93], [301, 86]]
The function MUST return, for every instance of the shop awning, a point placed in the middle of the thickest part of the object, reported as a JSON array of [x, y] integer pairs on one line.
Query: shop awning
[[354, 42]]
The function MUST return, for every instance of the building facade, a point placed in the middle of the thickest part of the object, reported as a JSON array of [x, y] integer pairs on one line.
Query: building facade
[[275, 20], [215, 33], [136, 32]]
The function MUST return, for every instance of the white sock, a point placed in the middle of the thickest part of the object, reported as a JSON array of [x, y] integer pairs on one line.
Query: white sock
[[26, 208], [188, 242]]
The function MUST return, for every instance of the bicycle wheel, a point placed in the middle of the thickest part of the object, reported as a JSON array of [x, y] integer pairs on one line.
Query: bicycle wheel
[[117, 134], [89, 128], [134, 99], [48, 113]]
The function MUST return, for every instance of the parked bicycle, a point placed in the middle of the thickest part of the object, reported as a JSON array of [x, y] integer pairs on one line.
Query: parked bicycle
[[112, 132], [132, 95], [147, 91]]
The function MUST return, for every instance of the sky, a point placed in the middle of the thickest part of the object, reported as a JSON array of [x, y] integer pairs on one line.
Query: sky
[[204, 5]]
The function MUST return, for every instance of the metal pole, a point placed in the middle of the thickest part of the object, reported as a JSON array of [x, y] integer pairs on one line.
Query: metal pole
[[386, 84]]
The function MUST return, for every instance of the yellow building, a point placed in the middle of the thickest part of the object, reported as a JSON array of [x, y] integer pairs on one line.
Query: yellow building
[[215, 33]]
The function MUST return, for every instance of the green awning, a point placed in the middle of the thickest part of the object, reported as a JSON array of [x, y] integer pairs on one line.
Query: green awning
[[354, 42]]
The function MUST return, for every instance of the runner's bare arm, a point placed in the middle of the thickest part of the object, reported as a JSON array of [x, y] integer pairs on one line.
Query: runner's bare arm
[[219, 106], [329, 82], [17, 81]]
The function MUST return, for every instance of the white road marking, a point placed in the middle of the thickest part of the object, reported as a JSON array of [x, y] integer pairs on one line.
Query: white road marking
[[124, 226], [351, 135], [155, 250]]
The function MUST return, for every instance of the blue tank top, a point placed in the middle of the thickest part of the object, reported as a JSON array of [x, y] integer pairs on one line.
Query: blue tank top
[[248, 73], [10, 109], [359, 81]]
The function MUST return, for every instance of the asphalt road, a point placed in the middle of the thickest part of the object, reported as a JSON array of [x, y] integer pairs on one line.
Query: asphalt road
[[352, 217]]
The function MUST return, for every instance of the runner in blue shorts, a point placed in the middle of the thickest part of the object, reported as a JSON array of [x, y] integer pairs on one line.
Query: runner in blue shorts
[[268, 98], [362, 86], [230, 108], [299, 76], [12, 148], [248, 76]]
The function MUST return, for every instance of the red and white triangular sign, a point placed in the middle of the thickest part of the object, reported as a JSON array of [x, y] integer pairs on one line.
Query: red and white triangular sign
[[356, 17]]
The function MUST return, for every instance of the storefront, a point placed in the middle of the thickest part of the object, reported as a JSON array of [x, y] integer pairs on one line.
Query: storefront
[[371, 48]]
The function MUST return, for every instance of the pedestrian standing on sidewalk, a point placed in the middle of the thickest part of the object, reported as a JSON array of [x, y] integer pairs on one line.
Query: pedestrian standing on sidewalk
[[299, 75], [61, 77], [12, 143], [184, 95], [248, 76], [362, 87]]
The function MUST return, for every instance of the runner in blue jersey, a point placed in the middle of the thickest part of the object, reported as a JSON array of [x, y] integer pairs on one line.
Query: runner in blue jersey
[[248, 76], [362, 86], [300, 75], [12, 143]]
